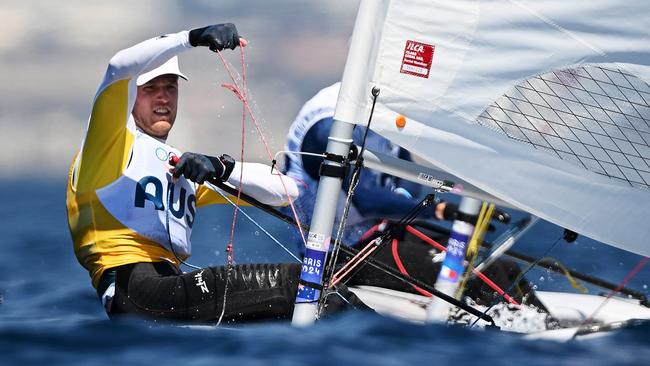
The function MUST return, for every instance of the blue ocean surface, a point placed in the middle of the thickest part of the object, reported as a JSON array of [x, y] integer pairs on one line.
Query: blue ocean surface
[[49, 313]]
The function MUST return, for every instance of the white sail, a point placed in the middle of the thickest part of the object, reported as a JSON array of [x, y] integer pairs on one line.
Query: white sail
[[543, 104]]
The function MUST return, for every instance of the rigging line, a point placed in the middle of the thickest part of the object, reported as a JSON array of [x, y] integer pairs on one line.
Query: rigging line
[[506, 240], [375, 243], [521, 275], [402, 268], [229, 247], [564, 271], [337, 243], [474, 244], [357, 262], [242, 94], [256, 223], [382, 239], [288, 152], [543, 263], [375, 94], [378, 241], [371, 232], [264, 207], [352, 252], [627, 278], [475, 271], [415, 211], [555, 267], [353, 262], [414, 281], [236, 89], [274, 162], [348, 200]]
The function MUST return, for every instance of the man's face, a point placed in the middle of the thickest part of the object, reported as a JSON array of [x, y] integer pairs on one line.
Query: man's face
[[155, 105]]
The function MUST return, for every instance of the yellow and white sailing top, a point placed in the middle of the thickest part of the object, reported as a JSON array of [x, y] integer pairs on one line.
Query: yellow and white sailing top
[[119, 184]]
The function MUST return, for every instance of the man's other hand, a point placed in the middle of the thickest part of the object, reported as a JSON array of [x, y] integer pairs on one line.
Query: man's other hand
[[216, 37], [199, 168]]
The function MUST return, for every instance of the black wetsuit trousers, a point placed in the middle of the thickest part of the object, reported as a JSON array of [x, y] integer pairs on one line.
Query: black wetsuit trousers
[[160, 291]]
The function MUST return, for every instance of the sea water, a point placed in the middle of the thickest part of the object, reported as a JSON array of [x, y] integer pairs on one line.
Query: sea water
[[49, 313]]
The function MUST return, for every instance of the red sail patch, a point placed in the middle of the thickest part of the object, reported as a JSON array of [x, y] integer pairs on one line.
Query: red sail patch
[[417, 59]]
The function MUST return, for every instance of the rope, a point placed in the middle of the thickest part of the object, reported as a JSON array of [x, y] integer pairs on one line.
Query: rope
[[373, 245], [370, 261], [352, 263], [237, 90], [225, 196], [516, 281], [475, 243], [241, 93], [400, 266], [618, 288], [371, 231], [348, 200], [425, 238], [567, 274], [478, 273]]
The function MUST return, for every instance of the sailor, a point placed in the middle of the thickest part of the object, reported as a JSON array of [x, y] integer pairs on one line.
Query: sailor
[[377, 196], [131, 217]]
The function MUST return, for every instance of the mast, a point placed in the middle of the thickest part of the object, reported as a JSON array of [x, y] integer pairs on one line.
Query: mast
[[353, 86]]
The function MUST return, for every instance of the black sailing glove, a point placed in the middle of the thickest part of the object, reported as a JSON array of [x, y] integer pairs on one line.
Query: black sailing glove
[[216, 37], [451, 213], [199, 168]]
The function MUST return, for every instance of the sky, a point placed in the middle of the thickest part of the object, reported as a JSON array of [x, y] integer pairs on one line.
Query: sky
[[53, 56]]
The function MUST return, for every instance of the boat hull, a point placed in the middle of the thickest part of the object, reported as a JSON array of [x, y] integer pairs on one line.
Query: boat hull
[[570, 311]]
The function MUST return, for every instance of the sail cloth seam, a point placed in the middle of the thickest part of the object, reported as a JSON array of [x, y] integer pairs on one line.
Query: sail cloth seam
[[558, 27]]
